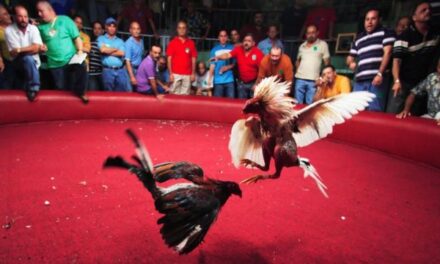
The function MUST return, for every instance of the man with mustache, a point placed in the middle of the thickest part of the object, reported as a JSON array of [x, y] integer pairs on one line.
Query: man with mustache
[[24, 42]]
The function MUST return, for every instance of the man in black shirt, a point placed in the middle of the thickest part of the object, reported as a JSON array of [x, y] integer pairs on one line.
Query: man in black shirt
[[414, 56]]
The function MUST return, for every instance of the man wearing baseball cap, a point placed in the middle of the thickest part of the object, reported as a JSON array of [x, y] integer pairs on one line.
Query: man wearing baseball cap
[[114, 74]]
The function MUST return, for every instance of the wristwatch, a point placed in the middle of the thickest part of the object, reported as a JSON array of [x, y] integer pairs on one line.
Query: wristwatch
[[379, 74]]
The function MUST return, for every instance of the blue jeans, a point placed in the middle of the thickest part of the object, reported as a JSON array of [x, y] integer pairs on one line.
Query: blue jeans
[[245, 90], [304, 91], [224, 90], [115, 80], [26, 66], [70, 77], [378, 103]]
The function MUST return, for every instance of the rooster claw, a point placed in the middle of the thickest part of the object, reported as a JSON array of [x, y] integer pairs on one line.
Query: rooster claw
[[252, 179], [246, 163]]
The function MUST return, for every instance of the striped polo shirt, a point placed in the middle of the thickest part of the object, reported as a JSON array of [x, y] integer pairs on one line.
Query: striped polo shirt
[[95, 66], [418, 54], [369, 50]]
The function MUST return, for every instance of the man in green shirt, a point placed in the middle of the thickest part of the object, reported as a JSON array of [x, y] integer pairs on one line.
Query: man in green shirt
[[61, 42]]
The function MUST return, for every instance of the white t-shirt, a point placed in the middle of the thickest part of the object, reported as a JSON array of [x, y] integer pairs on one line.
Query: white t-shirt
[[15, 38], [311, 59], [202, 81]]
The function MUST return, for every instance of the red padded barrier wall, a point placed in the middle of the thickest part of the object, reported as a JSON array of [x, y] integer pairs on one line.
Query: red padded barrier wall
[[417, 139]]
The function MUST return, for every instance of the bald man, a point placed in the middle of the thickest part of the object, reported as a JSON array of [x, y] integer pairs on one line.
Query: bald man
[[134, 51], [62, 41], [24, 42]]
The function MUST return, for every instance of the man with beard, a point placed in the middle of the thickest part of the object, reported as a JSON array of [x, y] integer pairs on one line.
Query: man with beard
[[311, 54], [276, 63], [146, 74], [24, 42], [248, 58]]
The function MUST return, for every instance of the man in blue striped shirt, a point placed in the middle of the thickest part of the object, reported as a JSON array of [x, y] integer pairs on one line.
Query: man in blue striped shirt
[[373, 49]]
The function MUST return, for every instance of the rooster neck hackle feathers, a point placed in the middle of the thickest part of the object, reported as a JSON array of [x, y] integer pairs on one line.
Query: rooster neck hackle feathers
[[272, 94]]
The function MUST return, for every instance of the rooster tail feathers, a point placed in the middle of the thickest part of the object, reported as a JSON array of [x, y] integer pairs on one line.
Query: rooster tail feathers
[[117, 162], [141, 151], [145, 173], [310, 171]]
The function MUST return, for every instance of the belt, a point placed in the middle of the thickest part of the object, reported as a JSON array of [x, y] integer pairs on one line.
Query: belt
[[113, 68], [240, 81]]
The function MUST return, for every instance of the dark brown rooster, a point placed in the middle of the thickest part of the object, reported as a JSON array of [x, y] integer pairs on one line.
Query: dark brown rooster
[[275, 129], [189, 208]]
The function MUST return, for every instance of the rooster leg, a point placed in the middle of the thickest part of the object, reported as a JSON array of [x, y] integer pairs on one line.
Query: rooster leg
[[278, 168]]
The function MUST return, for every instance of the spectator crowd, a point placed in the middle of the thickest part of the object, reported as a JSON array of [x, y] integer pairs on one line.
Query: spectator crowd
[[401, 66]]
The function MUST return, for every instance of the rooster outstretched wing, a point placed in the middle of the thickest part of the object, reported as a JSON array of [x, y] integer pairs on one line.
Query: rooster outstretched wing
[[316, 121], [246, 141]]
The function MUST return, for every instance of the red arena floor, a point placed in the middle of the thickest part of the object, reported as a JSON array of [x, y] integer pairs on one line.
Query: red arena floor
[[59, 205]]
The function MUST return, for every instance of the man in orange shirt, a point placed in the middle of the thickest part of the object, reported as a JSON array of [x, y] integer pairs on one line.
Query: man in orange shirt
[[276, 63], [331, 84]]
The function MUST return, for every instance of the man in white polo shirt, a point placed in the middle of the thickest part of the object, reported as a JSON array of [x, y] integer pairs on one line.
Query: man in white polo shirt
[[311, 54], [24, 42]]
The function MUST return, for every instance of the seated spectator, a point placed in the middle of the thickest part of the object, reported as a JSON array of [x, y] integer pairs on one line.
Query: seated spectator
[[248, 58], [271, 40], [95, 65], [331, 84], [61, 42], [134, 51], [7, 76], [221, 71], [323, 17], [162, 74], [138, 11], [311, 54], [24, 42], [235, 37], [402, 24], [276, 63], [182, 55], [146, 74], [114, 74], [203, 81], [198, 25], [256, 28], [431, 86]]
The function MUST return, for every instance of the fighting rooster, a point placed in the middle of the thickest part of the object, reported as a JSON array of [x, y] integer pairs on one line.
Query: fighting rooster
[[275, 129], [189, 208]]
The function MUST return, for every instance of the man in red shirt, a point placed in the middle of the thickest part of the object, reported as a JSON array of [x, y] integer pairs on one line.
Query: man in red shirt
[[182, 55], [248, 60]]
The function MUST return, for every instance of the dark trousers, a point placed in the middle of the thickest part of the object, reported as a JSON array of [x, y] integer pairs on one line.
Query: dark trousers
[[396, 104], [70, 77], [26, 69]]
